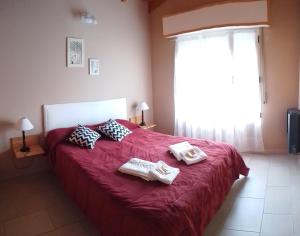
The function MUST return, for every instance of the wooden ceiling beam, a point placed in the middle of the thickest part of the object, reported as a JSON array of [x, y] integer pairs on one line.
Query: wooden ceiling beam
[[153, 4]]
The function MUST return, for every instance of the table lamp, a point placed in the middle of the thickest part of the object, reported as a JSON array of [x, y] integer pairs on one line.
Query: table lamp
[[24, 124], [142, 107]]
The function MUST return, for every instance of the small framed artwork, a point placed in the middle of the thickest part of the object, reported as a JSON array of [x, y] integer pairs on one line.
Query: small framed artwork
[[75, 52], [94, 66]]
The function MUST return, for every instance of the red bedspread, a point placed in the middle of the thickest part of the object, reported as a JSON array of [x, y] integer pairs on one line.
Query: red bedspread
[[120, 204]]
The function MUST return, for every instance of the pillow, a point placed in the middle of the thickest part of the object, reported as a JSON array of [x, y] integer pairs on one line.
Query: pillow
[[114, 130], [84, 137]]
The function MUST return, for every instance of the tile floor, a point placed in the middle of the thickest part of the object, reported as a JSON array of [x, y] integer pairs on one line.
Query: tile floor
[[36, 205], [267, 203]]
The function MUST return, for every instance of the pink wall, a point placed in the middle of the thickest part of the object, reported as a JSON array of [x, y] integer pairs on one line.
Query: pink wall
[[33, 60], [281, 58]]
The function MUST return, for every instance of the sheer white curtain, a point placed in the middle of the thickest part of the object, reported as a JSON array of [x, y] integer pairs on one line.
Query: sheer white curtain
[[217, 90]]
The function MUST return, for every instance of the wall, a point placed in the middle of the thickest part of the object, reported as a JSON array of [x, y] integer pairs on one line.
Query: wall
[[281, 59], [33, 61]]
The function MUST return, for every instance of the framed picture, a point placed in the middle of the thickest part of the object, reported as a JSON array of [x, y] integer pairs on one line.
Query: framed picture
[[75, 51], [94, 66]]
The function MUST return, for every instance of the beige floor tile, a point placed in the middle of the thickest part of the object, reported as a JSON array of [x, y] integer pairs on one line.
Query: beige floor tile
[[289, 161], [69, 230], [246, 215], [227, 232], [296, 193], [279, 176], [280, 160], [296, 220], [1, 230], [51, 233], [295, 182], [10, 190], [271, 177], [278, 200], [35, 184], [295, 168], [251, 187], [219, 231], [296, 207], [30, 225], [37, 202], [7, 210], [90, 229], [259, 165], [277, 225], [64, 213], [246, 159], [216, 225]]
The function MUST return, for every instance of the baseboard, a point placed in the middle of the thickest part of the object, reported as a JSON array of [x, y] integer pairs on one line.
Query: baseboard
[[270, 151]]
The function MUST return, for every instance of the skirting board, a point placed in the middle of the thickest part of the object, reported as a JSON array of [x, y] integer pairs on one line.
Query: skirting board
[[270, 151]]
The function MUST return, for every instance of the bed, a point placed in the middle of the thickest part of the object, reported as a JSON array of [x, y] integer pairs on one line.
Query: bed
[[120, 204]]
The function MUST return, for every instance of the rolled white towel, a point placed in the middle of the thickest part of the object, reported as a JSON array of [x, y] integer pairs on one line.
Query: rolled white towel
[[139, 168], [164, 173]]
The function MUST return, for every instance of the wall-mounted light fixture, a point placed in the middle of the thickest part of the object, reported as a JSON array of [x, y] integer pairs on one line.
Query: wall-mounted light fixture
[[88, 18]]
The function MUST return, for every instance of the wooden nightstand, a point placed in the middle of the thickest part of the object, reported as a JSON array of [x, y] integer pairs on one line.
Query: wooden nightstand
[[137, 119], [151, 126], [32, 141]]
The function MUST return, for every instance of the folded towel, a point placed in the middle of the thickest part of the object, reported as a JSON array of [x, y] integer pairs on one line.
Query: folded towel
[[139, 168], [164, 172], [188, 153], [178, 148], [193, 155], [150, 171]]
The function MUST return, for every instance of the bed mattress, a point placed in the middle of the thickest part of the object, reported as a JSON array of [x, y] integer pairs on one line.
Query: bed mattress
[[120, 204]]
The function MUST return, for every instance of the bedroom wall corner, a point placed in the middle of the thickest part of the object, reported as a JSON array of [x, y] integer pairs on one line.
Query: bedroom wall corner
[[281, 59], [34, 72]]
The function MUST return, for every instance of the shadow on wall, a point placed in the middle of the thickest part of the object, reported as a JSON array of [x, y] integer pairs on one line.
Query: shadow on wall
[[6, 125], [5, 128], [77, 12], [133, 108]]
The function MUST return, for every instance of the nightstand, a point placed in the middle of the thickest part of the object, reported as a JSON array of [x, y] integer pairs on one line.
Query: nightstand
[[32, 141], [151, 126], [137, 119]]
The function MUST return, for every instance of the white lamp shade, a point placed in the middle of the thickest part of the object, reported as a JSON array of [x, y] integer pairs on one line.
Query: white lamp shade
[[23, 124], [142, 106]]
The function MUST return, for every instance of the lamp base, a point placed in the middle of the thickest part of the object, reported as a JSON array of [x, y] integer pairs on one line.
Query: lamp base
[[24, 149], [142, 123]]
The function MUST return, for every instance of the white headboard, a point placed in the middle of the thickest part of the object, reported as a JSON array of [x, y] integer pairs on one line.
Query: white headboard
[[86, 113]]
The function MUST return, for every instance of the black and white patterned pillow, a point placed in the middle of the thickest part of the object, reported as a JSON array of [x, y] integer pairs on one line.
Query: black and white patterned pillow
[[84, 137], [114, 130]]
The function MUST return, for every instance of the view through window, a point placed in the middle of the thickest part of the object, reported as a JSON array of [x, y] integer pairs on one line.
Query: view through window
[[217, 87]]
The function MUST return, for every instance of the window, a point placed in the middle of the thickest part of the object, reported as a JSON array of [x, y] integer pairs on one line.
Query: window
[[217, 88]]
